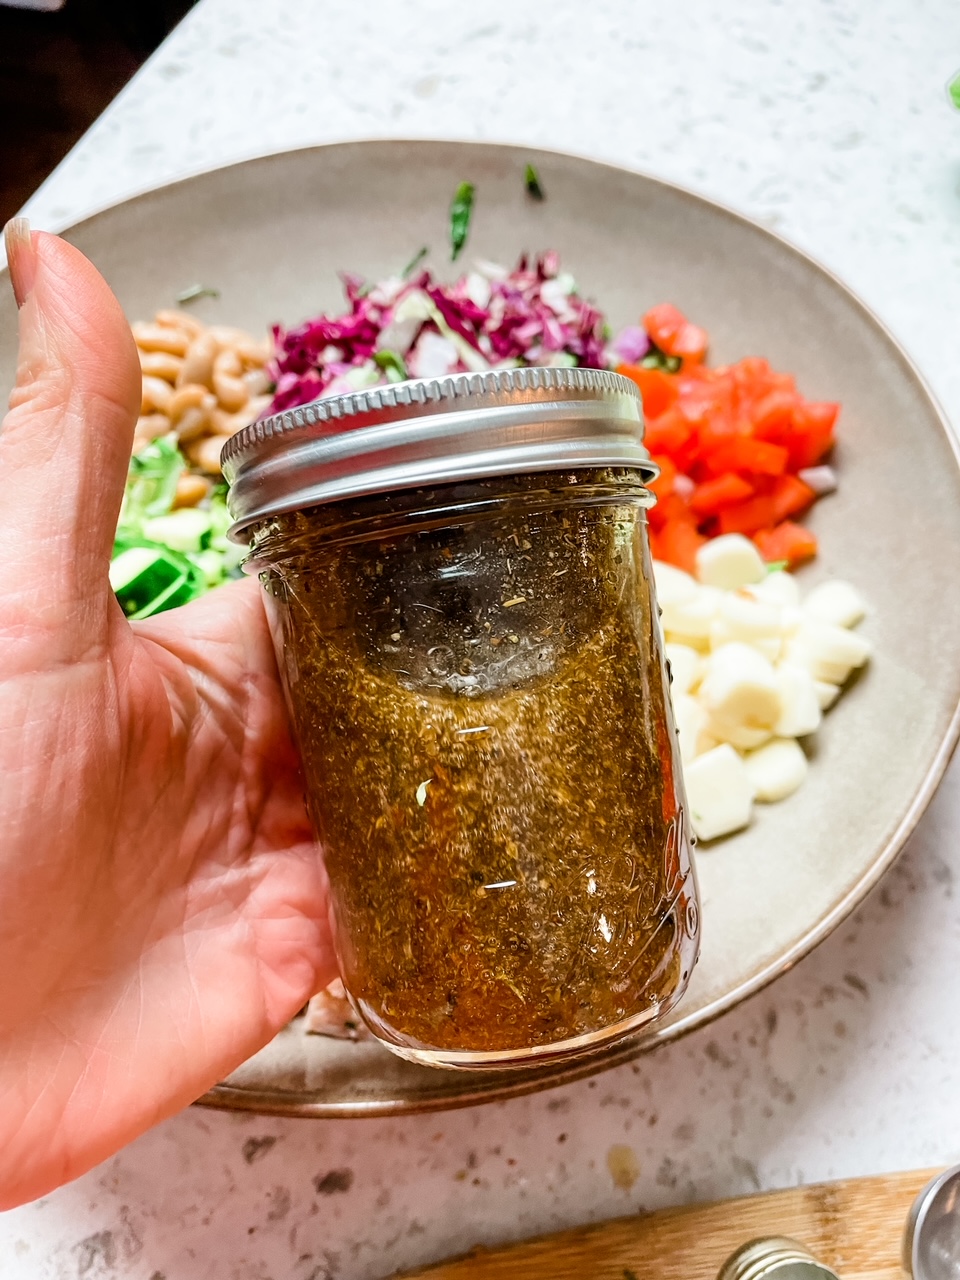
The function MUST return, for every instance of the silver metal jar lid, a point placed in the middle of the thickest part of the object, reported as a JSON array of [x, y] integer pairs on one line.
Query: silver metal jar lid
[[433, 431], [774, 1258]]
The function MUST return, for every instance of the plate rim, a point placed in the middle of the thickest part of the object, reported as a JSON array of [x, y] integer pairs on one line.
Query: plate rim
[[224, 1096]]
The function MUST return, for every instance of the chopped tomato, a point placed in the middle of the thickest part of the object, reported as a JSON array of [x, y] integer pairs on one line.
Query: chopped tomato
[[668, 433], [722, 491], [658, 389], [729, 442], [788, 541], [790, 496], [672, 332], [677, 543], [747, 517]]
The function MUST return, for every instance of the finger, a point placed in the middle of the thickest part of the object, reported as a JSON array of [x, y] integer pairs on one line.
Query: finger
[[65, 443]]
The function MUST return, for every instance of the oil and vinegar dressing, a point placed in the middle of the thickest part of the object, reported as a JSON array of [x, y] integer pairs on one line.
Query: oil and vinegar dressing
[[477, 689]]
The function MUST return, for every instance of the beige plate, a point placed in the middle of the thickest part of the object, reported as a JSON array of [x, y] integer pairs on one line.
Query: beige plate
[[271, 235]]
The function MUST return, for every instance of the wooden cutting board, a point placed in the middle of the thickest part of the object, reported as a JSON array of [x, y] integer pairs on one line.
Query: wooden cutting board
[[854, 1226]]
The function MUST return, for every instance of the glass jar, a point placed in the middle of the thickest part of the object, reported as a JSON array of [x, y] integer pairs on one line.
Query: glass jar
[[474, 672]]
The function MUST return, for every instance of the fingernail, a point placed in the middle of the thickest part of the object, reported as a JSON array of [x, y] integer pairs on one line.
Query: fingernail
[[21, 258]]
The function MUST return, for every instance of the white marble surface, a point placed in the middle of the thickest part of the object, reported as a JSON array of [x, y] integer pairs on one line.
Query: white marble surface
[[828, 121]]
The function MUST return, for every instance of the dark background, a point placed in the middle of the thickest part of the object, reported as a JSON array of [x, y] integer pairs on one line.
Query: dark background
[[57, 73]]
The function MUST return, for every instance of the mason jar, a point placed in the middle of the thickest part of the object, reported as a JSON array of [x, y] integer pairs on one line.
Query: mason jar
[[458, 581]]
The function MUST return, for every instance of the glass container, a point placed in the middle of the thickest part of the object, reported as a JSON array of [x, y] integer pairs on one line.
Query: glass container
[[458, 582]]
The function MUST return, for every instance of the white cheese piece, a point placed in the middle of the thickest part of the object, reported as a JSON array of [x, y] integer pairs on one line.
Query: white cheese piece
[[729, 562], [740, 618], [684, 667], [829, 653], [691, 721], [719, 793], [672, 584], [776, 769], [827, 694], [776, 588], [740, 692], [800, 711], [688, 621], [836, 602]]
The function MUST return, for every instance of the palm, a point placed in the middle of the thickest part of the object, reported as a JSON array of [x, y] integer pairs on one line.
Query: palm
[[164, 906]]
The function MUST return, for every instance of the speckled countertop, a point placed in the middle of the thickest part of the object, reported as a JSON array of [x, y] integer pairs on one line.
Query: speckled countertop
[[828, 121]]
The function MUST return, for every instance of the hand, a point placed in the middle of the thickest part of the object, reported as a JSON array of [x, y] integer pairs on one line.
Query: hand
[[162, 904]]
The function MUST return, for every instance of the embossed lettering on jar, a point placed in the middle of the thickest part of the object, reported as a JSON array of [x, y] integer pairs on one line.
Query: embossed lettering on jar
[[458, 580]]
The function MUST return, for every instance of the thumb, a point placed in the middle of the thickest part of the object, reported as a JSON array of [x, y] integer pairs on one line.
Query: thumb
[[64, 445]]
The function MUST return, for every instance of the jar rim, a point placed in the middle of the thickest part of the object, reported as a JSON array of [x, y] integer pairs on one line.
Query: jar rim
[[433, 431]]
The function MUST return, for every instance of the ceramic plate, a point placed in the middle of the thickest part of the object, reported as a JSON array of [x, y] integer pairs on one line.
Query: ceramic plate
[[271, 235]]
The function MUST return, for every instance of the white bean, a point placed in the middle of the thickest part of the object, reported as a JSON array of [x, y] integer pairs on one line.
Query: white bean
[[205, 453], [155, 394], [231, 390], [192, 424], [160, 364], [157, 337], [198, 363]]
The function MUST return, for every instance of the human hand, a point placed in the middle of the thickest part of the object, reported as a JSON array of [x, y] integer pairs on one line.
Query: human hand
[[163, 909]]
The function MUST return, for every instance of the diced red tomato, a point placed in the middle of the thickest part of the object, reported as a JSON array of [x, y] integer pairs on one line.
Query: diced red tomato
[[668, 433], [790, 497], [747, 517], [788, 541], [672, 332], [677, 543], [658, 389], [736, 436], [722, 491]]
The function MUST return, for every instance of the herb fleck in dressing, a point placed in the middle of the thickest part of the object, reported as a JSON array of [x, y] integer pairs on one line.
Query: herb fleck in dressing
[[476, 684]]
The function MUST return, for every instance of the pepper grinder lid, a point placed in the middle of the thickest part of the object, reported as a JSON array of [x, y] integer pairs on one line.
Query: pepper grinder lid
[[774, 1258]]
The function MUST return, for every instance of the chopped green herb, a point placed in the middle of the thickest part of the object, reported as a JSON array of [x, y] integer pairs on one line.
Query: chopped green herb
[[531, 180], [414, 262], [656, 359], [778, 566], [953, 90], [460, 212], [392, 364], [195, 291]]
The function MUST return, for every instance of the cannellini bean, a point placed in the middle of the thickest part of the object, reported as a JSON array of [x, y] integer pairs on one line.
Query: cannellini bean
[[257, 380], [253, 354], [227, 336], [155, 395], [191, 489], [205, 453], [227, 424], [198, 362], [231, 390], [193, 423], [158, 337], [149, 426], [256, 406], [191, 396], [160, 364], [171, 319]]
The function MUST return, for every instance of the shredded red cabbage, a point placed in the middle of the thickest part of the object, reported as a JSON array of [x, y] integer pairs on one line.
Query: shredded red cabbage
[[489, 318]]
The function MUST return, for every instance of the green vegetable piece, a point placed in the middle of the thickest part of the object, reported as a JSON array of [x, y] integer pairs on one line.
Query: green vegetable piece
[[195, 291], [531, 180], [656, 359], [149, 579], [777, 566], [186, 530], [460, 212], [151, 482], [414, 262], [953, 90], [392, 364]]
